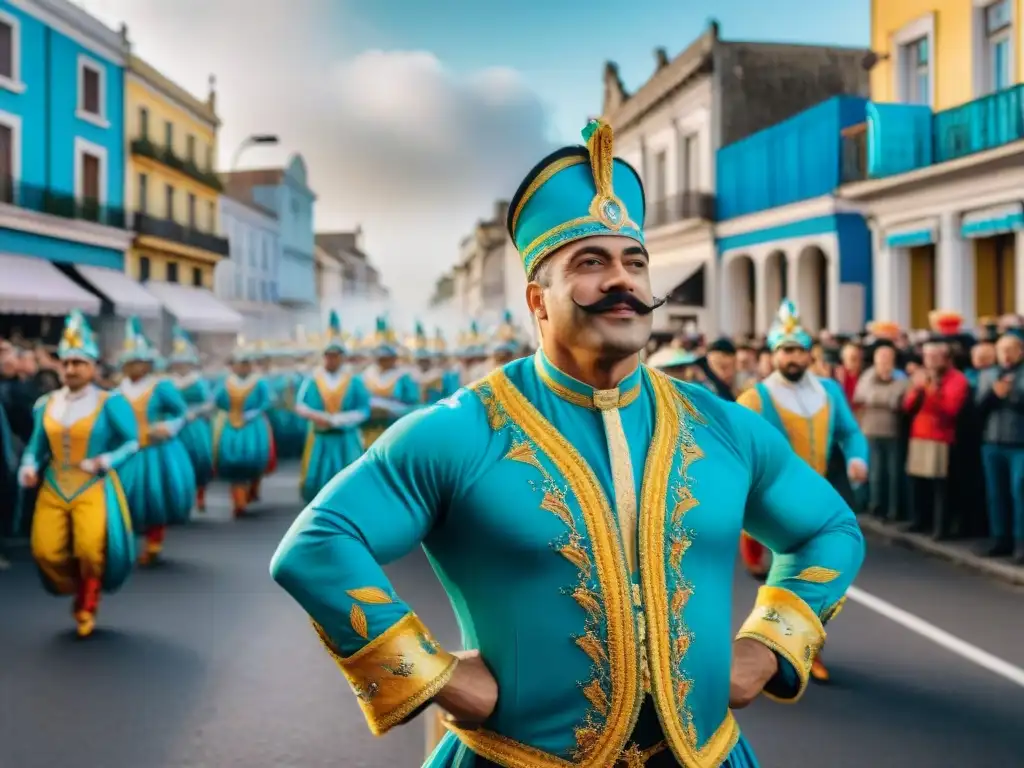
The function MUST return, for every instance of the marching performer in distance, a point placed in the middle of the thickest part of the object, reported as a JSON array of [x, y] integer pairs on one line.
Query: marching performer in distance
[[507, 344], [813, 415], [159, 479], [451, 371], [335, 402], [81, 529], [289, 428], [473, 352], [196, 436], [599, 636], [425, 371], [243, 443], [393, 393]]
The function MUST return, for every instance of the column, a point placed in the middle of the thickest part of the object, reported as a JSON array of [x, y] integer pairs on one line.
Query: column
[[883, 277], [899, 296], [954, 269], [1018, 272], [763, 312]]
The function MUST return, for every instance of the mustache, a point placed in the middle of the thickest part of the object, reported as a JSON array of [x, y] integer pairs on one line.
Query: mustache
[[610, 300]]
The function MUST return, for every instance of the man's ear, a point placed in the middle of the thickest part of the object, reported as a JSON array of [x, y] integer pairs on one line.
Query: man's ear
[[535, 300]]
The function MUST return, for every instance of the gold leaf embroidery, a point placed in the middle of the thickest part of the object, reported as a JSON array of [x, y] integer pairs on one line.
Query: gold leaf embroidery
[[685, 503], [682, 689], [524, 452], [682, 645], [818, 575], [833, 610], [591, 646], [576, 555], [370, 595], [596, 696], [357, 619], [551, 503], [680, 598], [586, 738], [587, 600]]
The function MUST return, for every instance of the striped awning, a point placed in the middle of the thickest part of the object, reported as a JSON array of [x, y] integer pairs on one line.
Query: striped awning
[[912, 234], [996, 220]]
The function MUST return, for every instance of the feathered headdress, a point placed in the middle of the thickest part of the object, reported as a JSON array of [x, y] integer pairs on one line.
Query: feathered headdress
[[787, 330]]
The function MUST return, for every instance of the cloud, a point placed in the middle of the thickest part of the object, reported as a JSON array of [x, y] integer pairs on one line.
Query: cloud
[[394, 140]]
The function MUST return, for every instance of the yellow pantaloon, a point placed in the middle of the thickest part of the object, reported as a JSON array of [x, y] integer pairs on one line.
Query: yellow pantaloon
[[69, 538]]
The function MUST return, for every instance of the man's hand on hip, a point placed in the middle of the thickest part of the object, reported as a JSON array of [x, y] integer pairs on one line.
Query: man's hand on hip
[[471, 694], [753, 665]]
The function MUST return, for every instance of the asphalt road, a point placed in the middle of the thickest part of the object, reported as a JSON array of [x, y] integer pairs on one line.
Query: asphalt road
[[204, 663]]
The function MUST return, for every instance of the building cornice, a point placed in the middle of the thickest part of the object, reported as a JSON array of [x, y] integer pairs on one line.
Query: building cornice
[[77, 24], [145, 74]]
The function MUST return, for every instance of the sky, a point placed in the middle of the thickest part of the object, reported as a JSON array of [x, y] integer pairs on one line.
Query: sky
[[414, 116]]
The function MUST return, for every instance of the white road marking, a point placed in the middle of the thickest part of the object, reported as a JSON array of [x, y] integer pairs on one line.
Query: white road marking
[[940, 637]]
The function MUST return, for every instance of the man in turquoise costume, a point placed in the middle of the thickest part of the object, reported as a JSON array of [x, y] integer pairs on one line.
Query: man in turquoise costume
[[583, 512], [196, 435], [426, 368], [507, 343], [473, 354], [393, 391]]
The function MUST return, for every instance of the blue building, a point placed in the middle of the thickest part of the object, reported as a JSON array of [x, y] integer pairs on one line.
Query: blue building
[[286, 193], [782, 231], [62, 159]]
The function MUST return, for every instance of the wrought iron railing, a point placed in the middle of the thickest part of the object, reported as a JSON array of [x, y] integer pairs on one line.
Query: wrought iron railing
[[144, 224], [59, 203], [167, 156]]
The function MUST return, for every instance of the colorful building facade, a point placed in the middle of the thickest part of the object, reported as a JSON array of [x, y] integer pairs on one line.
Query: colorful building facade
[[62, 157], [173, 188], [782, 232], [937, 163]]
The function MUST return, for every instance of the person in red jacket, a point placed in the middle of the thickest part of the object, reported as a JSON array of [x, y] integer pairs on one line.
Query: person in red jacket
[[934, 399]]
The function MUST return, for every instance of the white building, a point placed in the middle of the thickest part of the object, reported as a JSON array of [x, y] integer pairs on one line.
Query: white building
[[329, 279], [247, 280]]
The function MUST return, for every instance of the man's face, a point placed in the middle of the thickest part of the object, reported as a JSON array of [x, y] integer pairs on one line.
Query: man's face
[[983, 355], [424, 364], [180, 369], [935, 357], [746, 360], [241, 368], [387, 363], [136, 369], [77, 373], [884, 361], [723, 365], [792, 362], [332, 361], [595, 295], [1008, 351], [852, 357]]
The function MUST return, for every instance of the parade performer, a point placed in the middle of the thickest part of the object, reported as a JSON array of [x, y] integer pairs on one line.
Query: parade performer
[[335, 402], [580, 509], [159, 480], [507, 344], [812, 413], [473, 353], [451, 371], [196, 436], [393, 390], [426, 371], [289, 428], [81, 528], [243, 442]]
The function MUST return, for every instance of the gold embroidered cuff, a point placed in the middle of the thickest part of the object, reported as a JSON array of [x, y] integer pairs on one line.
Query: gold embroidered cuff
[[395, 673], [786, 624]]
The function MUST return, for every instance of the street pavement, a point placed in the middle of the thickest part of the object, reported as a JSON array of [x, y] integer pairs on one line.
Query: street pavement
[[203, 662]]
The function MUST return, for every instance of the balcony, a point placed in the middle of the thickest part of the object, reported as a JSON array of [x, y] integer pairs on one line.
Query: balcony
[[178, 233], [59, 203], [146, 148], [899, 138], [680, 207]]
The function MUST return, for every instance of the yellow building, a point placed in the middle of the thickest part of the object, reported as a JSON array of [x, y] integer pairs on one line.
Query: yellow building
[[172, 184], [939, 166]]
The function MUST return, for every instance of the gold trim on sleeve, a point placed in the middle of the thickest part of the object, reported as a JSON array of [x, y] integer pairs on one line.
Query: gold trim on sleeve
[[395, 673], [782, 621]]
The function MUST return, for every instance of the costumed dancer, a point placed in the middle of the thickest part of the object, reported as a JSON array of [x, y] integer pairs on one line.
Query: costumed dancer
[[451, 371], [335, 402], [289, 428], [81, 528], [429, 376], [196, 436], [473, 352], [243, 442], [158, 479], [507, 344], [525, 490], [393, 392], [814, 416]]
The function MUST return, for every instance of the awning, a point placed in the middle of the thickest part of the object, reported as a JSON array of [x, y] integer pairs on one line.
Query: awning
[[912, 234], [30, 285], [665, 278], [997, 220], [128, 297], [196, 309]]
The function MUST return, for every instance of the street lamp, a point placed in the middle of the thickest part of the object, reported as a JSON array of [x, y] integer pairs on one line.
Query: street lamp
[[257, 139]]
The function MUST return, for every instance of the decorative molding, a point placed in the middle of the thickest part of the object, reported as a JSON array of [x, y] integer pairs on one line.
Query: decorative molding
[[74, 230], [169, 98], [101, 120], [83, 147], [75, 23], [825, 205], [14, 83]]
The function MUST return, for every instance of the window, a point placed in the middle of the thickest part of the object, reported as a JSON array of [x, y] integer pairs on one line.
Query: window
[[266, 291], [143, 193], [92, 92], [660, 176], [168, 201], [209, 157], [10, 156], [90, 178], [918, 85], [190, 149], [197, 277], [690, 171], [172, 271], [253, 248], [211, 216], [143, 123], [252, 289], [144, 268], [266, 253], [169, 134], [10, 54], [998, 59], [238, 285], [191, 211]]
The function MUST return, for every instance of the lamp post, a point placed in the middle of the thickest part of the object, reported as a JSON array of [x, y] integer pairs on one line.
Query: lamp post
[[257, 139]]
